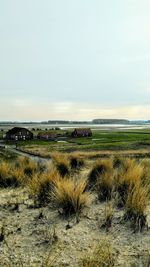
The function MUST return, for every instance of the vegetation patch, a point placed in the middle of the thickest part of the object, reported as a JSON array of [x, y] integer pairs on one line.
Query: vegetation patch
[[103, 256], [70, 196]]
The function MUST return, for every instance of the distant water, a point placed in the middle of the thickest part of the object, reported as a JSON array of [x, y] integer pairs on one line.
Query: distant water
[[72, 126]]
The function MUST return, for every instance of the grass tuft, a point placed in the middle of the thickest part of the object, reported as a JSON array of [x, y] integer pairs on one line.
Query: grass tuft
[[100, 167], [70, 196], [137, 201], [103, 256], [41, 186]]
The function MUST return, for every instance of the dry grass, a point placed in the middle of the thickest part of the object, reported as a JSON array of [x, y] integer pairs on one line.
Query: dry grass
[[100, 168], [41, 186], [76, 162], [104, 186], [4, 169], [10, 176], [108, 216], [70, 195], [129, 174], [103, 256], [137, 201], [61, 162], [29, 166]]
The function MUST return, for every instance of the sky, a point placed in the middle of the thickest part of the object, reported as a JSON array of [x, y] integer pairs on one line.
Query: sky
[[74, 59]]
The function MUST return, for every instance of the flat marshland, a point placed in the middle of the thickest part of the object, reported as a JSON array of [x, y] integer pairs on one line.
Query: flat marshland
[[102, 142]]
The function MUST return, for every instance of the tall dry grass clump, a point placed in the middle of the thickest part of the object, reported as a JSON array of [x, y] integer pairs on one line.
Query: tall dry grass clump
[[76, 162], [129, 175], [145, 179], [61, 162], [4, 173], [70, 195], [101, 179], [41, 186], [105, 186], [17, 176], [103, 256], [10, 176], [100, 167], [135, 206], [29, 166]]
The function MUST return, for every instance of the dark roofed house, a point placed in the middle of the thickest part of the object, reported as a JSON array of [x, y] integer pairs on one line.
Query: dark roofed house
[[82, 132], [19, 133]]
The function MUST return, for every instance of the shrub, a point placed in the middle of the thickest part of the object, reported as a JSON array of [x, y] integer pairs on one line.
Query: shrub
[[103, 256], [69, 195]]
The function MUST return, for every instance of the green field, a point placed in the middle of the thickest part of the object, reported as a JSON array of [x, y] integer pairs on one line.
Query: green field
[[101, 140]]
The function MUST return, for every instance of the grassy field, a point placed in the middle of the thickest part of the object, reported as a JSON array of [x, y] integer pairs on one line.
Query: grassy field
[[100, 141]]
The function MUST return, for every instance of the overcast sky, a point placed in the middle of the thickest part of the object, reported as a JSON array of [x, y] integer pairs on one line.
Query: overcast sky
[[74, 59]]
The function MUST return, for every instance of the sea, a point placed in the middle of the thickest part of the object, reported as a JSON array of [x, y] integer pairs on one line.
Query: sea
[[41, 126]]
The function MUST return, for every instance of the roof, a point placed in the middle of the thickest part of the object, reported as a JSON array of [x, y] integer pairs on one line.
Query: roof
[[16, 129], [82, 130]]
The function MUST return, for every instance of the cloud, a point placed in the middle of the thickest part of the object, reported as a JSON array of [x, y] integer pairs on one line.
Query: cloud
[[27, 110]]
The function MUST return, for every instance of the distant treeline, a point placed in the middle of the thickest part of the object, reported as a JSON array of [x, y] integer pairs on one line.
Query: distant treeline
[[95, 121]]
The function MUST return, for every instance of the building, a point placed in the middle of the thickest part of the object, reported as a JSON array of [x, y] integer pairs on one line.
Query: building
[[82, 132], [47, 135], [19, 133]]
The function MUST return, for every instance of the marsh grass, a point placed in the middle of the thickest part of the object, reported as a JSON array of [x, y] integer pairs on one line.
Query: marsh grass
[[70, 196]]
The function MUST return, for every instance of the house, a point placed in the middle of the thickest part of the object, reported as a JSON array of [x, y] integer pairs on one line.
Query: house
[[19, 133], [81, 132], [47, 135]]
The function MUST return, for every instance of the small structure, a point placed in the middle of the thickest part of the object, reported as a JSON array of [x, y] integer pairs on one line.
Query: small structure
[[47, 135], [82, 132], [19, 133]]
